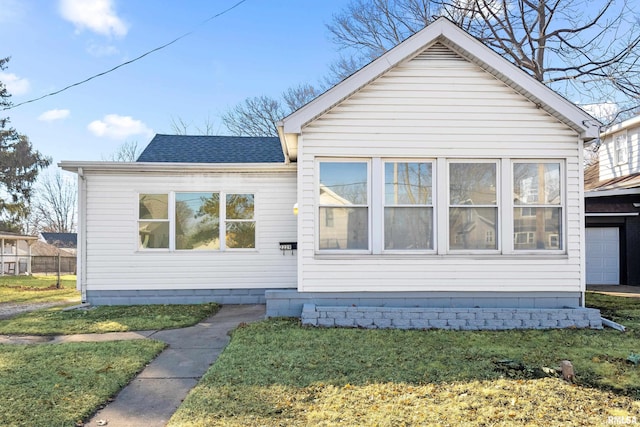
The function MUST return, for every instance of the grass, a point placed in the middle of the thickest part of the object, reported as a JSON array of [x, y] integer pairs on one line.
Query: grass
[[58, 385], [37, 289], [279, 373], [54, 321]]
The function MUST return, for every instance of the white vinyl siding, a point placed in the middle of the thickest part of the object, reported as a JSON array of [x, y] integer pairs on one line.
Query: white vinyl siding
[[619, 154], [440, 106], [115, 263]]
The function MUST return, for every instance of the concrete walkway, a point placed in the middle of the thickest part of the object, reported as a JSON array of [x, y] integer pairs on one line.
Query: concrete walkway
[[154, 395]]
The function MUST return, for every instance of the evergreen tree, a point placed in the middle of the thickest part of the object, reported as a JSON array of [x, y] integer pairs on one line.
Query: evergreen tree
[[19, 168]]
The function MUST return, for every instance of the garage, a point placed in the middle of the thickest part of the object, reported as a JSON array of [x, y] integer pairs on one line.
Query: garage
[[603, 255]]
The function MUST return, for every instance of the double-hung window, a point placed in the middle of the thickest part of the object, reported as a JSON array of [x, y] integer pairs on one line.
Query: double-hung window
[[153, 221], [408, 206], [621, 148], [537, 211], [344, 205], [240, 221], [473, 206]]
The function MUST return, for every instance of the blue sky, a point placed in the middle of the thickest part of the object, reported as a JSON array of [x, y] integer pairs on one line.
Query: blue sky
[[259, 48]]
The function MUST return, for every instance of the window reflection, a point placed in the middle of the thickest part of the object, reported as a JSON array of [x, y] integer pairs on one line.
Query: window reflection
[[344, 214]]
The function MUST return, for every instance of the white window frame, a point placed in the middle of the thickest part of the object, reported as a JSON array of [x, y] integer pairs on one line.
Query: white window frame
[[498, 207], [510, 227], [222, 229], [167, 220], [621, 148], [505, 205], [368, 206], [380, 189], [224, 221]]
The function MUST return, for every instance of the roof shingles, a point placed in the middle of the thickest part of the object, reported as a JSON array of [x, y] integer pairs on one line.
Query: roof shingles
[[212, 149]]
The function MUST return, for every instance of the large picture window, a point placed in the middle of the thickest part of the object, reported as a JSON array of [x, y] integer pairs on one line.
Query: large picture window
[[473, 206], [537, 214], [197, 221], [344, 206], [408, 211]]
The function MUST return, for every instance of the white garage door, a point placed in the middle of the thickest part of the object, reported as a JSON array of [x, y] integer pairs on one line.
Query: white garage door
[[603, 256]]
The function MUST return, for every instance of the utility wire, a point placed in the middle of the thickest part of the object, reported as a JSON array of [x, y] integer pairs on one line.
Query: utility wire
[[188, 33]]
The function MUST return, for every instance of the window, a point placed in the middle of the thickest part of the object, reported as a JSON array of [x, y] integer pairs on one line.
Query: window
[[200, 221], [537, 212], [197, 222], [473, 208], [153, 221], [240, 222], [442, 206], [344, 206], [408, 210], [621, 148]]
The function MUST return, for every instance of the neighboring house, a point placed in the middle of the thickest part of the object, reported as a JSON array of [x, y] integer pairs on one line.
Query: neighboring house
[[439, 175], [612, 207], [15, 253], [66, 241]]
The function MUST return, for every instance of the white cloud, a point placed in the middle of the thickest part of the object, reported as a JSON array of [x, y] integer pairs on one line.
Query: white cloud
[[115, 126], [52, 115], [98, 16], [15, 85]]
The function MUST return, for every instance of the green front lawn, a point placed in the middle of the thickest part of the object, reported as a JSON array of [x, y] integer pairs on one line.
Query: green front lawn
[[61, 384], [54, 321], [279, 373], [38, 289]]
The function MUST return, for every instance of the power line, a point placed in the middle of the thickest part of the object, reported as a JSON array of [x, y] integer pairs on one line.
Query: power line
[[188, 33]]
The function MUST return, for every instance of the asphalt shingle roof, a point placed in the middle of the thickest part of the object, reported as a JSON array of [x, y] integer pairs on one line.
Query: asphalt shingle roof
[[62, 240], [212, 149]]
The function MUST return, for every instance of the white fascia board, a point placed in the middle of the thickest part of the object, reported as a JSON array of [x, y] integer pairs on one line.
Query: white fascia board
[[133, 167], [613, 192], [635, 121], [447, 32]]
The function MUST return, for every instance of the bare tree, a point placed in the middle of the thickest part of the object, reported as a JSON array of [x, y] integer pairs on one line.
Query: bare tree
[[54, 209], [586, 50], [181, 127], [126, 152], [258, 116]]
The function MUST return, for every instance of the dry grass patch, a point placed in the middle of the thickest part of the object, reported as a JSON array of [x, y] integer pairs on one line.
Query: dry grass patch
[[500, 402], [37, 289], [277, 373]]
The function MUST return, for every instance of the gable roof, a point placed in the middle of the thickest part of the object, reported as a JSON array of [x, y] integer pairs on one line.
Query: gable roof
[[212, 149], [446, 32], [61, 240]]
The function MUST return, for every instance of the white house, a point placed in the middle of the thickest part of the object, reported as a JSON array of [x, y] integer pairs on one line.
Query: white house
[[438, 176], [612, 205]]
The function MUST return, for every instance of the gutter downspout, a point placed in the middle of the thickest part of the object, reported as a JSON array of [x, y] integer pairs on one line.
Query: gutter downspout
[[283, 143], [82, 234]]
